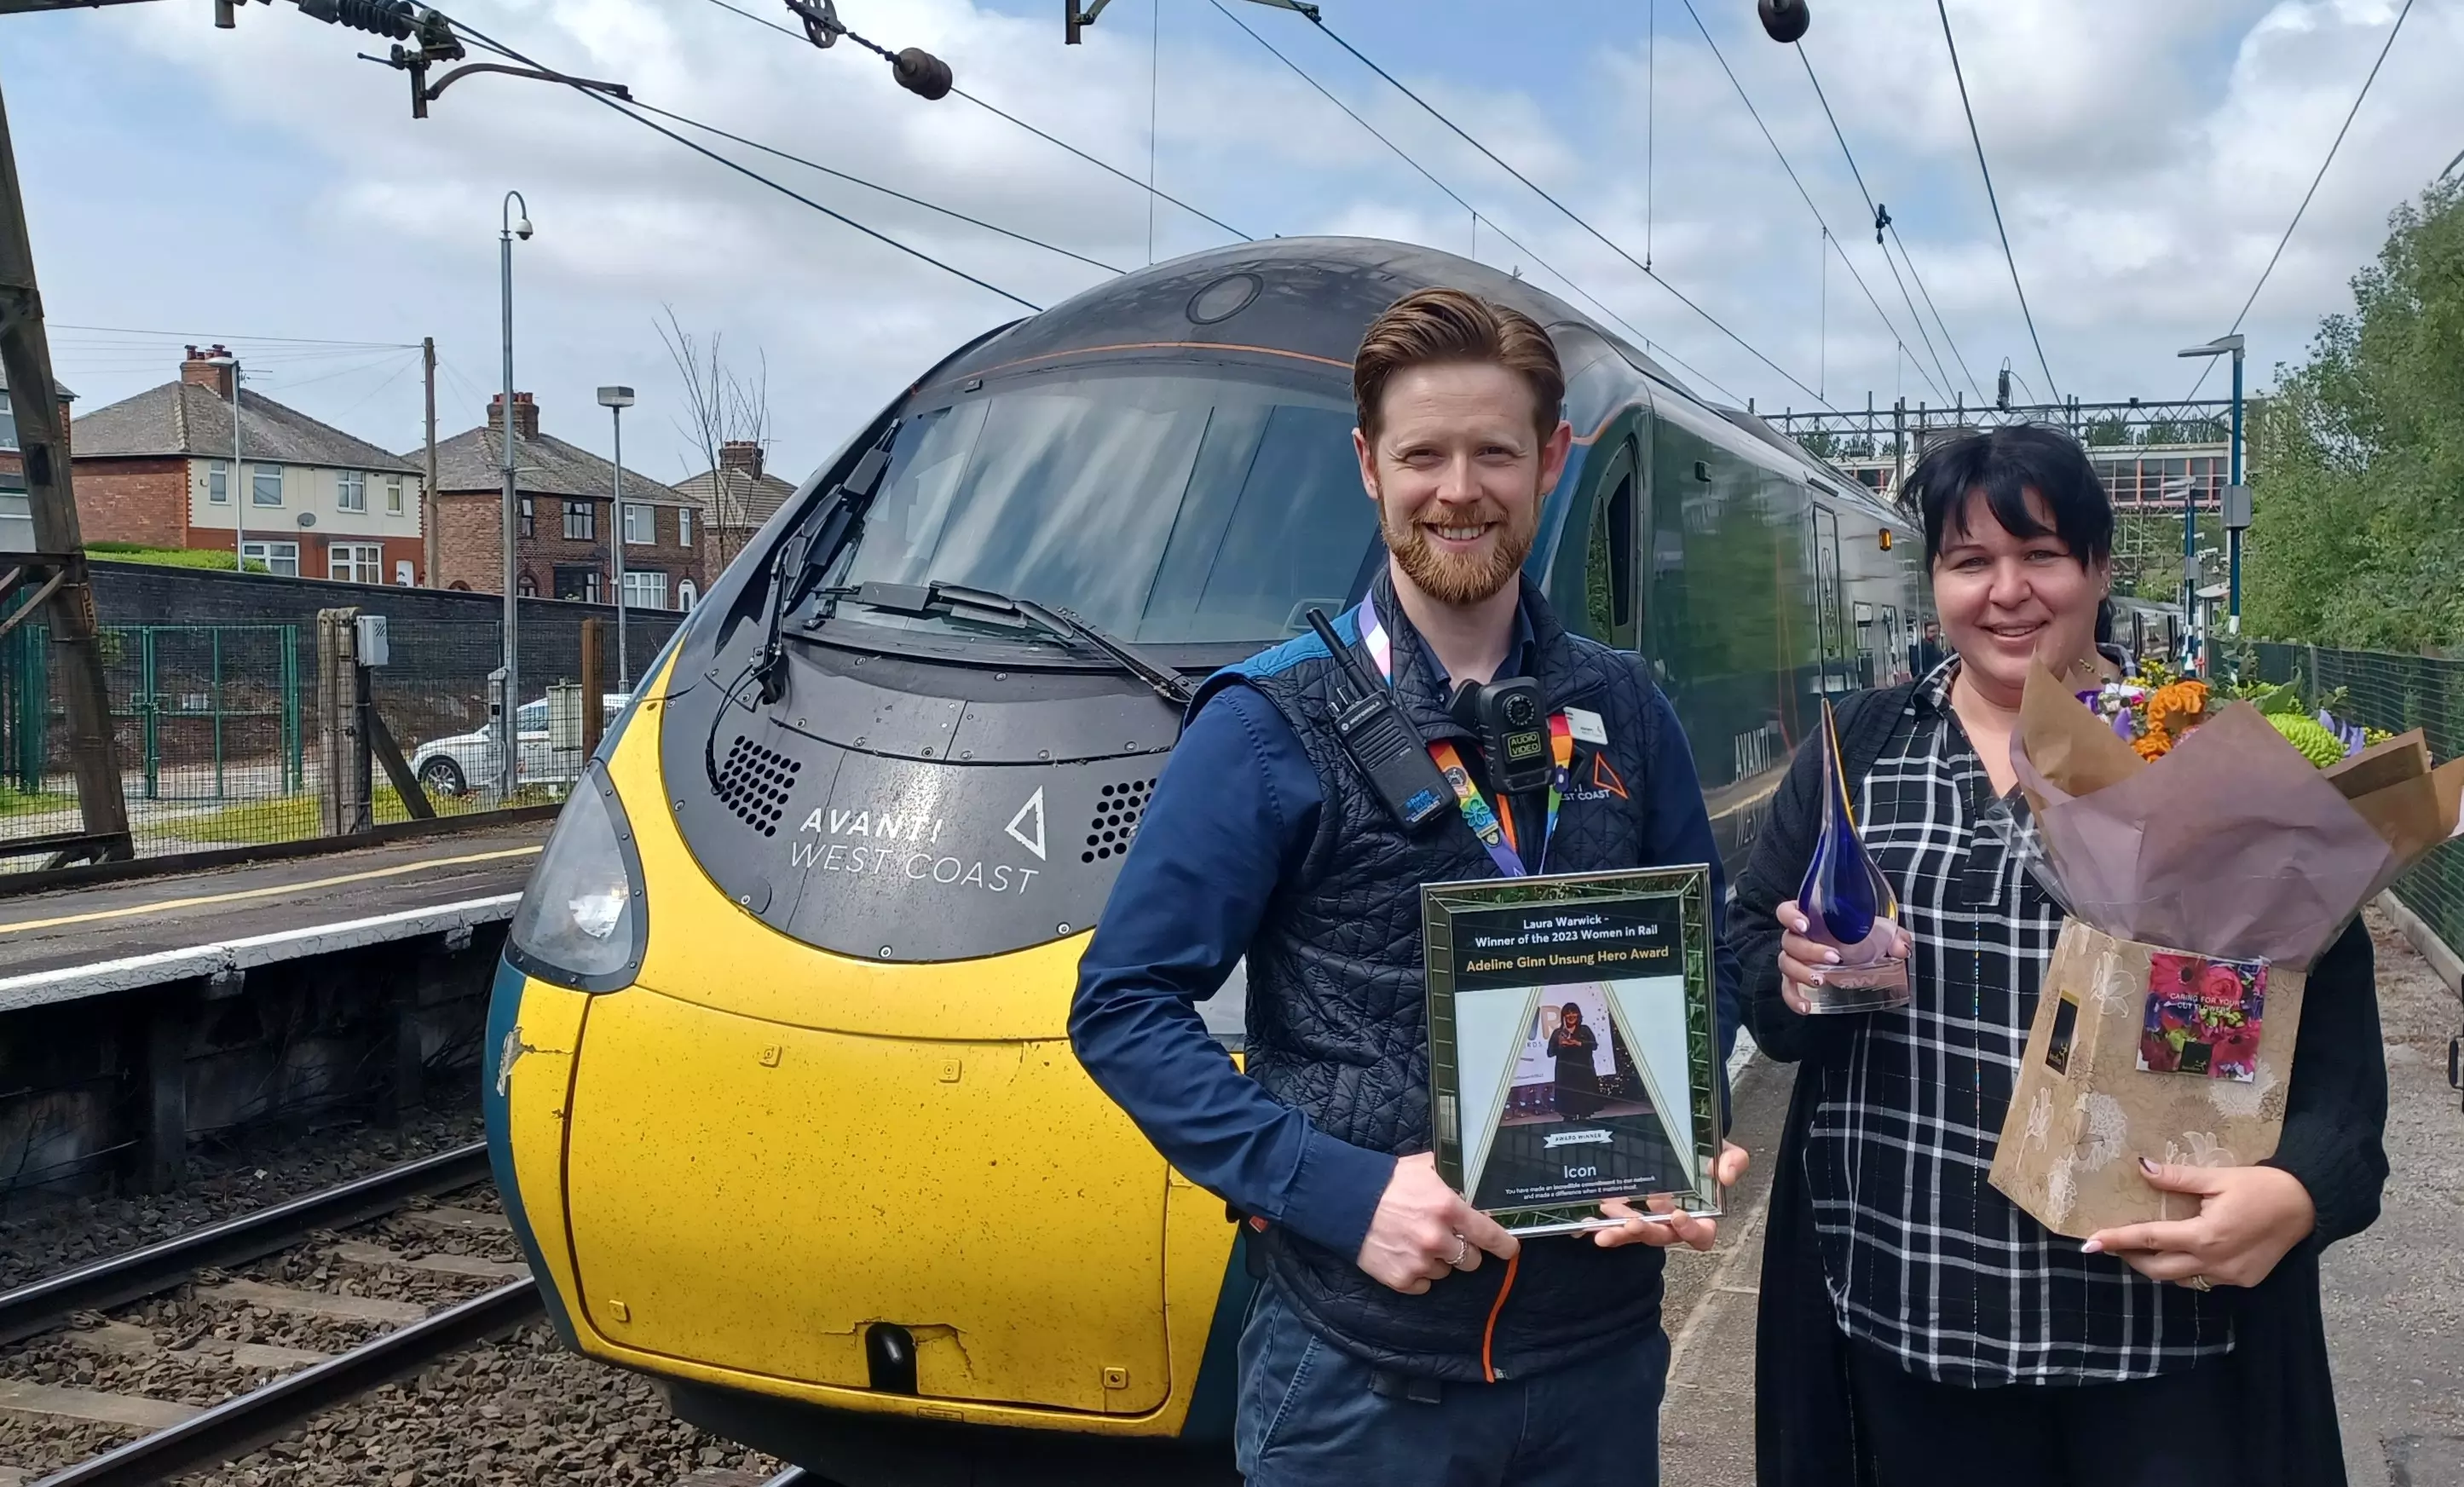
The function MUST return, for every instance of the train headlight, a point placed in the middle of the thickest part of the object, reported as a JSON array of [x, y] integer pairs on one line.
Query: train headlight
[[581, 922]]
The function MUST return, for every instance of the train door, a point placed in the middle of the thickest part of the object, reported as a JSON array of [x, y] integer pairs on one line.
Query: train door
[[1612, 597], [1838, 671]]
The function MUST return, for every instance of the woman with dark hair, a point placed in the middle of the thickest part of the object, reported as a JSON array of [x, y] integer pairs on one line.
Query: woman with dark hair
[[1578, 1079], [1916, 1327]]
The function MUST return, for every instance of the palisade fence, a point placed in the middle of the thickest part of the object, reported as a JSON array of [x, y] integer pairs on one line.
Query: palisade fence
[[2395, 693], [216, 727]]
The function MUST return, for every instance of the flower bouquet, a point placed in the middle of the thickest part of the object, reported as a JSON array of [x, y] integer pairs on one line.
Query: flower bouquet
[[2207, 848]]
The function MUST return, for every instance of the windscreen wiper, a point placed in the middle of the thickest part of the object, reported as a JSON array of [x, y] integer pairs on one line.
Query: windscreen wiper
[[985, 607], [840, 522]]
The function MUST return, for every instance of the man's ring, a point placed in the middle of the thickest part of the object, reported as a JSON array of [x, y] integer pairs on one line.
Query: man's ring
[[2200, 1283], [1463, 1251]]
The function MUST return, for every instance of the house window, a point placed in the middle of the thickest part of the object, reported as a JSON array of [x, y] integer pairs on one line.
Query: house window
[[646, 590], [279, 558], [265, 486], [527, 527], [641, 524], [525, 587], [393, 496], [684, 527], [355, 563], [351, 490], [576, 581], [218, 483], [687, 596], [581, 523], [7, 424]]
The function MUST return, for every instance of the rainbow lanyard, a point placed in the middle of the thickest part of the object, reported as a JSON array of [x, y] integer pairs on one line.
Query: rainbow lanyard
[[1496, 836]]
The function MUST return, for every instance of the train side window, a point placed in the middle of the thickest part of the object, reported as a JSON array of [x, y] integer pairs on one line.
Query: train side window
[[1608, 568]]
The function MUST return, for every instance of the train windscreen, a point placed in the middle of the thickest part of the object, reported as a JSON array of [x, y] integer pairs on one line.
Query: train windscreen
[[1167, 509]]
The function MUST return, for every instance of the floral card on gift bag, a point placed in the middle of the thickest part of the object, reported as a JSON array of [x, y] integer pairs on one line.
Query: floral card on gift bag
[[2204, 1015]]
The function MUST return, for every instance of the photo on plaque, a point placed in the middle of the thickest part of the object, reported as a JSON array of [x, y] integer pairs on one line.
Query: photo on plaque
[[1573, 1048]]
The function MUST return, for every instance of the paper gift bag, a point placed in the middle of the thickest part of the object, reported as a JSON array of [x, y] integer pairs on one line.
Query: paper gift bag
[[2139, 1050]]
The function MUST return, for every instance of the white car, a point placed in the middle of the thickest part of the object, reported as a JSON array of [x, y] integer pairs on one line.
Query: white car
[[454, 766]]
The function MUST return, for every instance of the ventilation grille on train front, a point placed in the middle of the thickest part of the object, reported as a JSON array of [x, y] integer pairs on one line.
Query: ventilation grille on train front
[[1117, 820], [754, 782]]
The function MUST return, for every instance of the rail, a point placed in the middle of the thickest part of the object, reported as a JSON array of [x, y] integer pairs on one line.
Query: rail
[[50, 1302]]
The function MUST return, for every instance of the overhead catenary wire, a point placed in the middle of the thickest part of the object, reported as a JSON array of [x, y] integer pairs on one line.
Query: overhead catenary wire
[[293, 340], [875, 185], [2350, 114], [747, 171], [1406, 157], [1009, 118], [1831, 242], [1884, 224], [1978, 141], [1679, 296]]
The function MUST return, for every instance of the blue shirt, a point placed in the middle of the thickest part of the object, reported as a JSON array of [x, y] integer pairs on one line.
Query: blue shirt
[[1231, 818]]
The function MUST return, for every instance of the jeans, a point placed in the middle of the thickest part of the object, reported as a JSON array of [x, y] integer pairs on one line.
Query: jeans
[[1310, 1418]]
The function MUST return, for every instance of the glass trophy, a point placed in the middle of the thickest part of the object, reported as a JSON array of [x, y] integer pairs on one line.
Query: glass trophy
[[1848, 904]]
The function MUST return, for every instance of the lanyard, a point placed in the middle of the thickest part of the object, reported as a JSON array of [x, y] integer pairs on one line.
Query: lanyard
[[1498, 838]]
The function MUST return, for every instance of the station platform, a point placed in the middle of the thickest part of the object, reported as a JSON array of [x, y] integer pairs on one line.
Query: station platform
[[105, 936]]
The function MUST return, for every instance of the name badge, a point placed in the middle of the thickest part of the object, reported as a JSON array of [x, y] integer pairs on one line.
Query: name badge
[[1585, 726]]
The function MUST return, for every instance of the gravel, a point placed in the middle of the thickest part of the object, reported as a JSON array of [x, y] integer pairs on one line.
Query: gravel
[[42, 1233], [520, 1412]]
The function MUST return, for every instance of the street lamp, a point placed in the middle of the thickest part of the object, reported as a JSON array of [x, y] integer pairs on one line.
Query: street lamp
[[616, 399], [508, 732], [230, 487], [2236, 509]]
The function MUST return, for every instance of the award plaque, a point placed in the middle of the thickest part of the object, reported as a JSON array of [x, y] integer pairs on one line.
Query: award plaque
[[1572, 1044]]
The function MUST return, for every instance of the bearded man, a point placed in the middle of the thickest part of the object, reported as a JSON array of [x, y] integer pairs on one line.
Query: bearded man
[[1390, 1343]]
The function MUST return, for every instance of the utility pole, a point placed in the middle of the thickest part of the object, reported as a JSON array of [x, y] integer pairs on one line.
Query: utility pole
[[25, 353], [509, 732], [428, 490]]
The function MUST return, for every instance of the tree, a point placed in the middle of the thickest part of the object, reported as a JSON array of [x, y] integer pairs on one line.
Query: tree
[[721, 407], [2360, 490]]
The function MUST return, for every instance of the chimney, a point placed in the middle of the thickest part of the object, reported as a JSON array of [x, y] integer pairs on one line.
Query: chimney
[[197, 371], [741, 455], [525, 415]]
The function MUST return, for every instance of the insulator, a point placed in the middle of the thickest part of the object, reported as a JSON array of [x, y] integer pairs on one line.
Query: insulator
[[920, 73], [1784, 20], [392, 19]]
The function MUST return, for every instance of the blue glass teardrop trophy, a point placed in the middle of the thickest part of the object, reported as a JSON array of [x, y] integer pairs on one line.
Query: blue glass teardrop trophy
[[1848, 904]]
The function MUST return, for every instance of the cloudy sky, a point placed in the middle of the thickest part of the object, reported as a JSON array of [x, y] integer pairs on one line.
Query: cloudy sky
[[264, 187]]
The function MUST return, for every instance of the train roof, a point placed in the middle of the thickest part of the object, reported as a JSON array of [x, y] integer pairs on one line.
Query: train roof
[[1310, 296]]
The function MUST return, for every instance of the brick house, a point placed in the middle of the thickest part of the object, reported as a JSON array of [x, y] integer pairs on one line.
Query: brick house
[[564, 528], [739, 496], [308, 500], [16, 524]]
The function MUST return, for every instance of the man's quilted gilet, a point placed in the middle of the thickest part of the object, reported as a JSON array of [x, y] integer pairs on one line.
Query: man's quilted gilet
[[1338, 1015]]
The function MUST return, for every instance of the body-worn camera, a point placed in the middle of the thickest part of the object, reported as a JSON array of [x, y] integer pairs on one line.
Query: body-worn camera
[[1513, 731]]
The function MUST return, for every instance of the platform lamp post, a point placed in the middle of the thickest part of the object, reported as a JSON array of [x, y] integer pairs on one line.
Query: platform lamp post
[[2236, 498], [508, 730], [230, 487], [616, 399]]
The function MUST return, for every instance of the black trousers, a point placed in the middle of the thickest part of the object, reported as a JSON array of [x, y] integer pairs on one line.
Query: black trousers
[[2176, 1429]]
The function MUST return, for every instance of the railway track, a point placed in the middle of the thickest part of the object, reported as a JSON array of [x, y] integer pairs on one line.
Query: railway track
[[387, 1337]]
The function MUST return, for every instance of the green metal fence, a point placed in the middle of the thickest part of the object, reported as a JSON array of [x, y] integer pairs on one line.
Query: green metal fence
[[2395, 693], [215, 727]]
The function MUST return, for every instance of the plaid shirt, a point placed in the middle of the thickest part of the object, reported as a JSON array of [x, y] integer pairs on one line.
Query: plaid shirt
[[1922, 1256]]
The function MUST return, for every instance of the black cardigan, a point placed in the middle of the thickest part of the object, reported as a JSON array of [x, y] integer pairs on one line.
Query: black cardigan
[[2335, 1118]]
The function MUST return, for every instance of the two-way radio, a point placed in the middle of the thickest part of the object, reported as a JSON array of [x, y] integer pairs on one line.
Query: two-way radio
[[1380, 738]]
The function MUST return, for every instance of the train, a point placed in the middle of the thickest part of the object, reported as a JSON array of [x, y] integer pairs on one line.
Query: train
[[779, 1092]]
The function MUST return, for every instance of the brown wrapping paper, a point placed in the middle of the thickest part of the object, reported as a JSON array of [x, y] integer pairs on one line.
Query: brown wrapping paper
[[2234, 847], [2070, 1149]]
